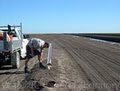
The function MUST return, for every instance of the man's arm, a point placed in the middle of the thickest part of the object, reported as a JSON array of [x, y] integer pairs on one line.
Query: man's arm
[[40, 56], [32, 50]]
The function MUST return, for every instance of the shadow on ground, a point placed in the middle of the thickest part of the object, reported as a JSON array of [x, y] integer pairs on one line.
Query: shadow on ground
[[10, 73]]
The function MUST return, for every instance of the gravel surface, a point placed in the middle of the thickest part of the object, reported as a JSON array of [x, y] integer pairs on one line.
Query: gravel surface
[[78, 64]]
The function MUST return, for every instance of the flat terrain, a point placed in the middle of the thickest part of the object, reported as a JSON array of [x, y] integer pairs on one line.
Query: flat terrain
[[79, 64], [113, 37]]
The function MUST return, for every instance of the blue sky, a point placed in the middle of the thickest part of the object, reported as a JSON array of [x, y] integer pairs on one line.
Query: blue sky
[[62, 16]]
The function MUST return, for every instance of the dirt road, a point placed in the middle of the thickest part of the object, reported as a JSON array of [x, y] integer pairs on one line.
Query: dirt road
[[79, 64]]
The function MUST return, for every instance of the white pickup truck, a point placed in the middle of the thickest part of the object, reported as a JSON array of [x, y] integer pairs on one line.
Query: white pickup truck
[[12, 45]]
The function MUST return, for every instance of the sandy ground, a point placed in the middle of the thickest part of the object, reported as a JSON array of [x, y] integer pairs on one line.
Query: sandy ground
[[79, 64]]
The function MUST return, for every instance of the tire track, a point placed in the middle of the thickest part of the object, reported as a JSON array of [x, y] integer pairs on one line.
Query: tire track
[[107, 77]]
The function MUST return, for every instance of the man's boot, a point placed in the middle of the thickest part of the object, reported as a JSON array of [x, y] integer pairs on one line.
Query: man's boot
[[27, 70]]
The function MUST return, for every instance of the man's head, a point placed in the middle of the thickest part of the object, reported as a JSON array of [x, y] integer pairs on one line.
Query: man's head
[[46, 45]]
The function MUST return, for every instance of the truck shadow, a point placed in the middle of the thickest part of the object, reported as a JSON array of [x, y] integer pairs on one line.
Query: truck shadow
[[10, 73], [6, 68]]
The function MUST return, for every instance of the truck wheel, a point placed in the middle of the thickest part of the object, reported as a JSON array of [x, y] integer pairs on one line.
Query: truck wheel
[[15, 60]]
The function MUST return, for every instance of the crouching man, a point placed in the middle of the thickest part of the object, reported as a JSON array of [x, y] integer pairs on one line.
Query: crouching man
[[35, 47]]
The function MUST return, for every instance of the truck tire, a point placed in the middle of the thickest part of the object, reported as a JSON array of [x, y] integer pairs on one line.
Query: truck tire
[[15, 60]]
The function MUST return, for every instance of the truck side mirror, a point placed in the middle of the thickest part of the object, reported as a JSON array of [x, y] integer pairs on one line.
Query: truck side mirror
[[26, 36]]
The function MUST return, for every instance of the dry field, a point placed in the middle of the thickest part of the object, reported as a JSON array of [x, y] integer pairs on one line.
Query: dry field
[[79, 64], [113, 37]]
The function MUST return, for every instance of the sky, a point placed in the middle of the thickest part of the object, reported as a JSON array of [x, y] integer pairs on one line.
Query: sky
[[62, 16]]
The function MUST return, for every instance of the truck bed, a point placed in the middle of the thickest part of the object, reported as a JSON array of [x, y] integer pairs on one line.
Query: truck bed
[[15, 45], [11, 46]]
